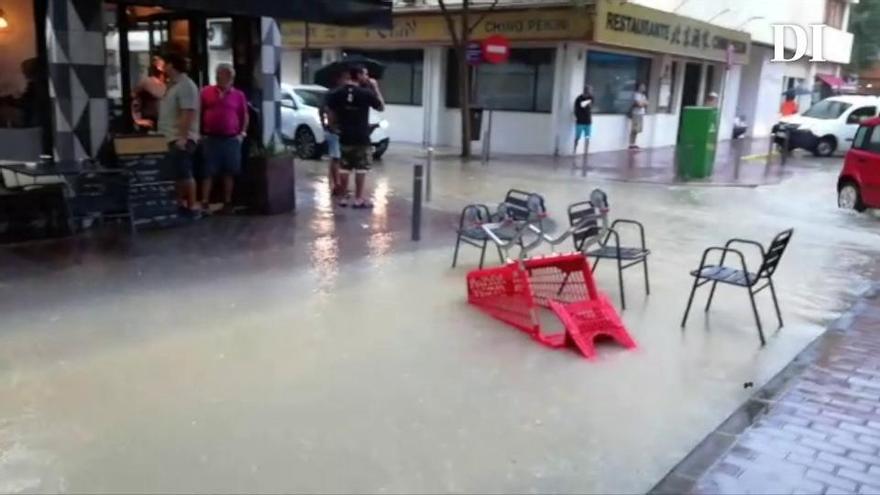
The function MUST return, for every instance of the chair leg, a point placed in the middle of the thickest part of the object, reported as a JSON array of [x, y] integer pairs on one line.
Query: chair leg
[[593, 270], [483, 254], [620, 280], [500, 254], [757, 318], [647, 282], [711, 296], [687, 310], [776, 303], [455, 256]]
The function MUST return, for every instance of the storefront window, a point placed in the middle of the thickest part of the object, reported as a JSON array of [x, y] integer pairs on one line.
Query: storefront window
[[21, 71], [615, 78], [402, 82], [310, 63], [524, 83]]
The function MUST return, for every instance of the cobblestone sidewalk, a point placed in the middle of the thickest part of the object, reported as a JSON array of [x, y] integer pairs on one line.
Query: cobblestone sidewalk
[[815, 428]]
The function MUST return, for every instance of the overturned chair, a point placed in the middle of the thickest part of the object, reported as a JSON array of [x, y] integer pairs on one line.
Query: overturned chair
[[741, 276], [594, 237], [517, 206]]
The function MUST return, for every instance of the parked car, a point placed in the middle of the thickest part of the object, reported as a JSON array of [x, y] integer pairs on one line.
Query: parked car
[[828, 126], [301, 122], [858, 186]]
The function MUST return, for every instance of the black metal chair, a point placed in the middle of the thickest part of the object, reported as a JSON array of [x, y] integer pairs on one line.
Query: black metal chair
[[517, 206], [742, 277], [101, 195], [593, 228]]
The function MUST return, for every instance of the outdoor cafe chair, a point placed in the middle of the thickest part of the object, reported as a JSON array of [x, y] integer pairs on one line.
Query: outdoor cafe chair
[[593, 229], [741, 276], [518, 206]]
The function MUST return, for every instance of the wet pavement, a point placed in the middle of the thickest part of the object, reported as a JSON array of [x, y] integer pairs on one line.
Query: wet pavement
[[326, 352], [815, 428], [738, 163]]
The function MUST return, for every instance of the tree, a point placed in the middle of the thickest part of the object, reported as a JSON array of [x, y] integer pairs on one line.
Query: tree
[[865, 18], [458, 23]]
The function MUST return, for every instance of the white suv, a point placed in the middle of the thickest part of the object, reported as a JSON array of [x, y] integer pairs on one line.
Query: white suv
[[828, 126], [301, 122]]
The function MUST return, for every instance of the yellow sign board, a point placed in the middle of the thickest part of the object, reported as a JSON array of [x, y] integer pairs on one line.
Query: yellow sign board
[[633, 26], [414, 29]]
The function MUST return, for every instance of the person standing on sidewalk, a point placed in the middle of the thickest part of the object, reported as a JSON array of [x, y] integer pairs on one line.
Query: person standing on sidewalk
[[350, 106], [583, 117], [179, 123], [334, 151], [637, 115], [224, 126]]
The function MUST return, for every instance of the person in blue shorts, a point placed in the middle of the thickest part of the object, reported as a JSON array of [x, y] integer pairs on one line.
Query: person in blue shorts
[[583, 117]]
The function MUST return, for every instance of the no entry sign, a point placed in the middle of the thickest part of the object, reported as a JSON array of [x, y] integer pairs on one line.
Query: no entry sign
[[496, 49]]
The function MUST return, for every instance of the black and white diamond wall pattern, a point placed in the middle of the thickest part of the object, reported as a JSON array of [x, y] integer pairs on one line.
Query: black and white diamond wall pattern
[[77, 80], [270, 67]]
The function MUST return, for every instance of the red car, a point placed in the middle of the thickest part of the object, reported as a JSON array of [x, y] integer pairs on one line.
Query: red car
[[858, 187]]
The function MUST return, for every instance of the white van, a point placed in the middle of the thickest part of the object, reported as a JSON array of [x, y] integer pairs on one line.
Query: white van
[[829, 126]]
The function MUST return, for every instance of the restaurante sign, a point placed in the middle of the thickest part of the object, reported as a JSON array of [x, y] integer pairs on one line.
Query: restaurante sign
[[634, 26]]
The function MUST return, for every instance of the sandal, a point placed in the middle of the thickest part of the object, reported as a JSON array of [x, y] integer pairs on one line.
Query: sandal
[[362, 205], [343, 203]]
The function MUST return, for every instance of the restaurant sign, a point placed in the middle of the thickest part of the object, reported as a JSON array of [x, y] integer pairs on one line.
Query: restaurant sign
[[415, 29], [643, 28]]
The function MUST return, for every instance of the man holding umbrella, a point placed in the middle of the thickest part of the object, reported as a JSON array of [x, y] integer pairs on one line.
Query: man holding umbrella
[[349, 107]]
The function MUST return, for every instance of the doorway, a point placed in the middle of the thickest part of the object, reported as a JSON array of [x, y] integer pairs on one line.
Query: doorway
[[690, 92]]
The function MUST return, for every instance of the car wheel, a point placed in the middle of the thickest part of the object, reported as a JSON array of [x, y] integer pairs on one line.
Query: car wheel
[[306, 145], [825, 147], [849, 197], [379, 149]]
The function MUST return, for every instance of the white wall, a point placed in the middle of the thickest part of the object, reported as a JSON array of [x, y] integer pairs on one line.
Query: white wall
[[518, 133], [730, 101], [406, 123]]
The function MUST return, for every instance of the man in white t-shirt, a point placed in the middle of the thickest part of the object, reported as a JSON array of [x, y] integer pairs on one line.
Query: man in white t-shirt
[[637, 115]]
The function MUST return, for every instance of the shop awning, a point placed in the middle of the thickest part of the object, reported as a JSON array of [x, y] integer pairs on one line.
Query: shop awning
[[833, 81], [339, 12]]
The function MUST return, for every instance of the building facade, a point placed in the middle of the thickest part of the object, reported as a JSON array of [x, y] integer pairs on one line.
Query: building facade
[[681, 49]]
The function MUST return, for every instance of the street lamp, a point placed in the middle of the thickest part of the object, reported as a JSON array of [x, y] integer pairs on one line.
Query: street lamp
[[680, 5], [718, 15], [750, 19]]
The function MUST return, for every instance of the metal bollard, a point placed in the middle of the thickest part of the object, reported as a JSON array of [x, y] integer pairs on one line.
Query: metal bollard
[[428, 181], [785, 148], [770, 150], [418, 175]]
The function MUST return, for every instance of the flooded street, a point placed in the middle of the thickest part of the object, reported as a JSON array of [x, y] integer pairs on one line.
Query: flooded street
[[325, 352]]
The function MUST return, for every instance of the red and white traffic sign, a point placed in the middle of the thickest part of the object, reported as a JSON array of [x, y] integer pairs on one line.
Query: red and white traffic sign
[[496, 49]]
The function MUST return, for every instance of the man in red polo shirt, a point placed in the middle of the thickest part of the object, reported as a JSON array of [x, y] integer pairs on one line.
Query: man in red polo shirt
[[224, 127]]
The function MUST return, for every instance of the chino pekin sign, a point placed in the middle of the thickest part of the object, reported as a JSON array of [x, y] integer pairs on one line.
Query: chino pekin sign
[[633, 26]]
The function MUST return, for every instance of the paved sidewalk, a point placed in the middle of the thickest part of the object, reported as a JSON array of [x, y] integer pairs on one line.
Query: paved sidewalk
[[815, 428]]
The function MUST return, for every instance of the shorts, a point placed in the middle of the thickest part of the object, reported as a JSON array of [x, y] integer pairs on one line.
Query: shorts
[[222, 156], [583, 130], [638, 122], [180, 161], [356, 157], [333, 149]]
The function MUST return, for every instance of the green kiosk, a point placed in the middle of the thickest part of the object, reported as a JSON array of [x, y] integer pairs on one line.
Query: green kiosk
[[697, 138]]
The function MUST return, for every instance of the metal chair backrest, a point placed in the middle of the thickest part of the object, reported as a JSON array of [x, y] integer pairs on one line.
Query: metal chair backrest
[[774, 253], [472, 216], [586, 217], [522, 205]]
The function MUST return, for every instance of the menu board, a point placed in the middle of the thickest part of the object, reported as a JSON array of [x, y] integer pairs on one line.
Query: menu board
[[151, 186]]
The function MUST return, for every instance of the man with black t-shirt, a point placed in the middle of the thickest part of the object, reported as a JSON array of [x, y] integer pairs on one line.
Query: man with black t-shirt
[[349, 106], [583, 116]]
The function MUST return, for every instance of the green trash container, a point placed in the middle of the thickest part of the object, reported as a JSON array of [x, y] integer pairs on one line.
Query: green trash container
[[697, 138]]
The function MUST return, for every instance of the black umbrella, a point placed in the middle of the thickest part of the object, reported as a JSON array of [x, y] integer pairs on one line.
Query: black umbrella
[[328, 75]]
